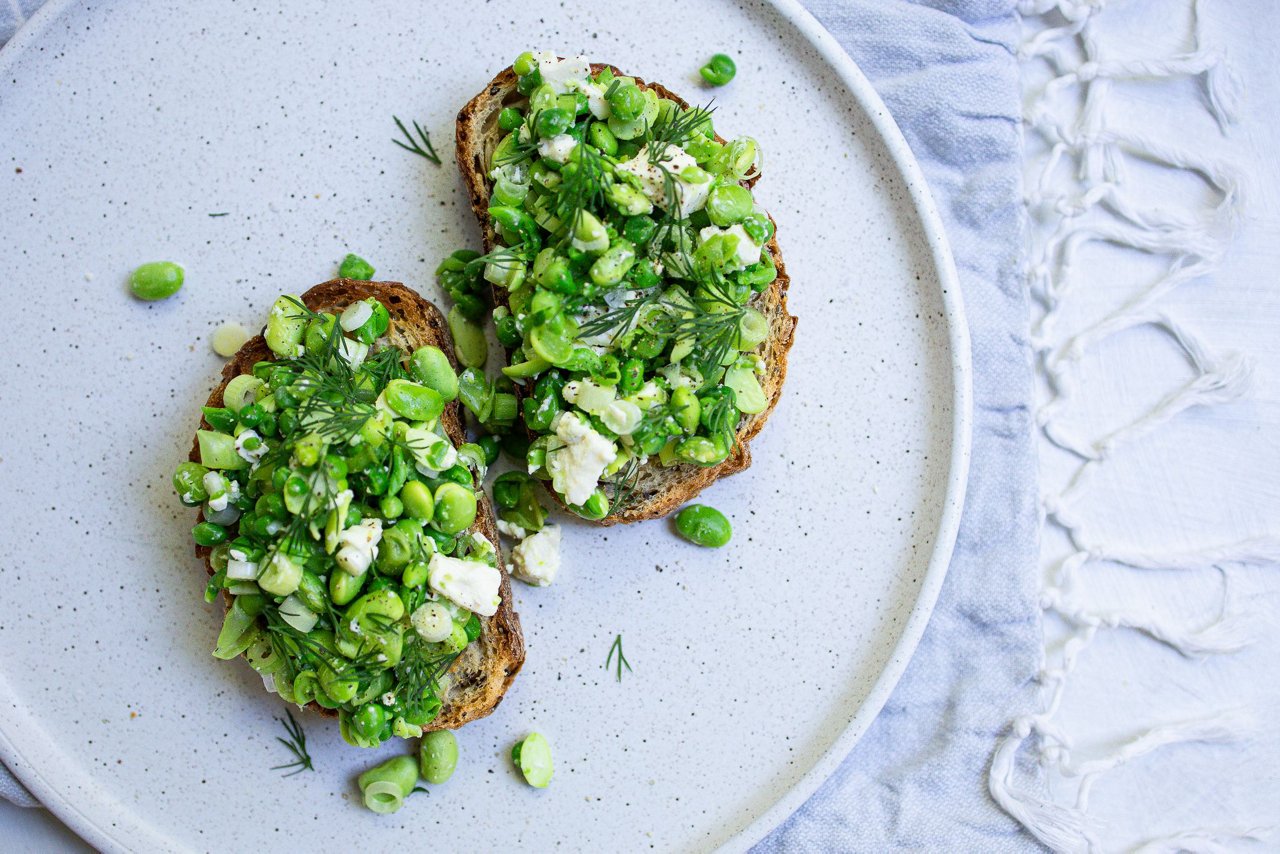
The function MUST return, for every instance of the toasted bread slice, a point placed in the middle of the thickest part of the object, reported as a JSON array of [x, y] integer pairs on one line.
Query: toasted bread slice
[[658, 490], [484, 672]]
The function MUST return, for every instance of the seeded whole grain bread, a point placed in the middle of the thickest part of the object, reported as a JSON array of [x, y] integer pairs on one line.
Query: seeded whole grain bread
[[484, 672], [658, 491]]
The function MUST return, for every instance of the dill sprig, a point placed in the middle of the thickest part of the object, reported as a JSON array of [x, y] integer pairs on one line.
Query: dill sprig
[[503, 258], [581, 188], [616, 650], [675, 130], [421, 146], [522, 150], [624, 486], [622, 319], [297, 744], [418, 674]]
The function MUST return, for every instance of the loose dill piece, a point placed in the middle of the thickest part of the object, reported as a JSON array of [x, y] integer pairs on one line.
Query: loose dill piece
[[297, 744], [421, 145], [222, 213], [616, 651]]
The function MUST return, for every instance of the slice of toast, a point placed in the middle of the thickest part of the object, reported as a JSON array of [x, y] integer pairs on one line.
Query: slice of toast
[[486, 669], [659, 490]]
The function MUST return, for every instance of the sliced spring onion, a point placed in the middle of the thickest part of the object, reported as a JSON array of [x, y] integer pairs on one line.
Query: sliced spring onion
[[293, 612], [356, 315], [239, 569], [383, 797]]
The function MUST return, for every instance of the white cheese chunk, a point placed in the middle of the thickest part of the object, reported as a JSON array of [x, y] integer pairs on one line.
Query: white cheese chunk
[[576, 464], [512, 530], [239, 567], [250, 456], [690, 196], [558, 148], [358, 546], [536, 560], [562, 74], [468, 584]]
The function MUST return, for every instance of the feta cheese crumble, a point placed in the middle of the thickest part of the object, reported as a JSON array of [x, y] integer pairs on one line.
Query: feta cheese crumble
[[577, 463], [536, 560], [468, 584], [358, 546], [690, 196]]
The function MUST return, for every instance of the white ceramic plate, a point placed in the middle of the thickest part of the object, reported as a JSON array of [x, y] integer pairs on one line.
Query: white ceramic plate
[[756, 667]]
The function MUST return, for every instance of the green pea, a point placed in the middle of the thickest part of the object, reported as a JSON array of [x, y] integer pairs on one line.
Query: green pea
[[510, 118], [627, 102], [469, 342], [524, 64], [685, 408], [355, 267], [602, 138], [412, 401], [368, 719], [552, 122], [492, 446], [455, 508], [156, 280], [417, 500], [344, 587], [385, 786], [431, 367], [703, 526], [415, 574], [729, 203], [719, 70], [438, 756], [533, 757], [391, 507], [615, 263], [208, 534], [188, 482]]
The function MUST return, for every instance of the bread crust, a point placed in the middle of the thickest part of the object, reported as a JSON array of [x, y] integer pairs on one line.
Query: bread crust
[[484, 672], [659, 490]]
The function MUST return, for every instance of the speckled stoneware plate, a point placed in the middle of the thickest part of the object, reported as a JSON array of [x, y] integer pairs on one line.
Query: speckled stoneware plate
[[123, 127]]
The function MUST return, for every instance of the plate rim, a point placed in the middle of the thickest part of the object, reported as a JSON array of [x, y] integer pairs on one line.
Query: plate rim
[[945, 534]]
